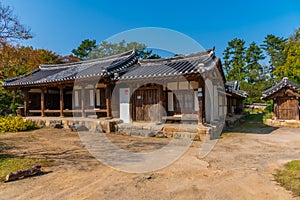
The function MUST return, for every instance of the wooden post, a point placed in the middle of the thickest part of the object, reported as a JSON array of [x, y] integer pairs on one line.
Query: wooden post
[[297, 108], [61, 101], [25, 101], [131, 114], [43, 102], [108, 99], [200, 105], [160, 107], [82, 102]]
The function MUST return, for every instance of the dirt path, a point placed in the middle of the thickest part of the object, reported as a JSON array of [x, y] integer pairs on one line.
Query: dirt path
[[239, 167]]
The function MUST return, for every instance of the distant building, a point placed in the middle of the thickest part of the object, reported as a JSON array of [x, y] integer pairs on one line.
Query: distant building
[[235, 98], [286, 99]]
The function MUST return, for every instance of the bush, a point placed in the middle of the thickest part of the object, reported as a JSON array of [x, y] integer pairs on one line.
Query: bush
[[15, 124], [270, 108]]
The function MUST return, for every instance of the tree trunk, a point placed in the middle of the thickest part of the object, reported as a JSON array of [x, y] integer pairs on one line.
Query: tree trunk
[[23, 173]]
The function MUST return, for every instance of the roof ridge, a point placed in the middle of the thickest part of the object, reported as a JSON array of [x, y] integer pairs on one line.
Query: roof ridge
[[283, 83], [107, 58], [209, 53]]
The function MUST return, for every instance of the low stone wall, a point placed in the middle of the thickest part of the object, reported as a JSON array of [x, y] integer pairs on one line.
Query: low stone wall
[[283, 123], [98, 125], [234, 119], [107, 125]]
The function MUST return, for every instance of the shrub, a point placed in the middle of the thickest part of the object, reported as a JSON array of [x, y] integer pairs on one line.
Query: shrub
[[270, 108], [15, 124]]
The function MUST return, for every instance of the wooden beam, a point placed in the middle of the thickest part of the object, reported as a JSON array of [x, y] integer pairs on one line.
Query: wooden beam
[[61, 100], [43, 102]]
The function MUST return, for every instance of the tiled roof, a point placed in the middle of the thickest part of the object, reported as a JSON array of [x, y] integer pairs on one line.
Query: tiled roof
[[285, 82], [71, 71], [178, 65], [233, 87], [123, 66]]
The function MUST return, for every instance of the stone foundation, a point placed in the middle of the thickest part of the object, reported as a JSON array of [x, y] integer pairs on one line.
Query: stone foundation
[[283, 123]]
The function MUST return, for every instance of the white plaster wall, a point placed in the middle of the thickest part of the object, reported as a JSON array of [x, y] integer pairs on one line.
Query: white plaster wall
[[124, 105], [209, 101]]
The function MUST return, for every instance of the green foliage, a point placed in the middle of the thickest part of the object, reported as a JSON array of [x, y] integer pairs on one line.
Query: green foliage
[[289, 178], [266, 116], [274, 46], [254, 69], [291, 67], [243, 64], [107, 49], [15, 61], [270, 108], [148, 54], [16, 124], [234, 60], [86, 46]]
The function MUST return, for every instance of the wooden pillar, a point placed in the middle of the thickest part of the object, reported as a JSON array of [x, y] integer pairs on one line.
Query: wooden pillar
[[43, 102], [200, 106], [131, 111], [61, 101], [108, 100], [160, 107], [82, 102], [25, 101], [297, 108]]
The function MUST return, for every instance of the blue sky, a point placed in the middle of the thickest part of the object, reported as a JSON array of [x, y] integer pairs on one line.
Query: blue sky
[[60, 25]]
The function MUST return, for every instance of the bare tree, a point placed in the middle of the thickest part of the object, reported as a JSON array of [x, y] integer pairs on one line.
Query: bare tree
[[10, 27]]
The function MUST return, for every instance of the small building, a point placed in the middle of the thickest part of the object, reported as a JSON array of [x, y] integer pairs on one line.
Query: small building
[[189, 87], [235, 98], [285, 96]]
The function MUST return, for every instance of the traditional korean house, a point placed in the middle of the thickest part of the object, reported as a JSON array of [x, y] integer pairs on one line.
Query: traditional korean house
[[235, 98], [121, 86], [286, 99]]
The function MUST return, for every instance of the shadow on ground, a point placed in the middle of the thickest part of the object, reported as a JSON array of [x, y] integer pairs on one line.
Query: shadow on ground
[[252, 124]]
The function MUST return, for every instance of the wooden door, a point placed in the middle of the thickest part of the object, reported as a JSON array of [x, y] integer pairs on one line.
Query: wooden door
[[144, 101], [287, 109]]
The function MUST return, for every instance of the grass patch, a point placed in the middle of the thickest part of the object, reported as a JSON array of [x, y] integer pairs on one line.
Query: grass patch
[[9, 163], [289, 177]]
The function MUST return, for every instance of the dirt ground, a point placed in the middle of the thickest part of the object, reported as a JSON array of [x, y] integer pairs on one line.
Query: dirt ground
[[241, 166]]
